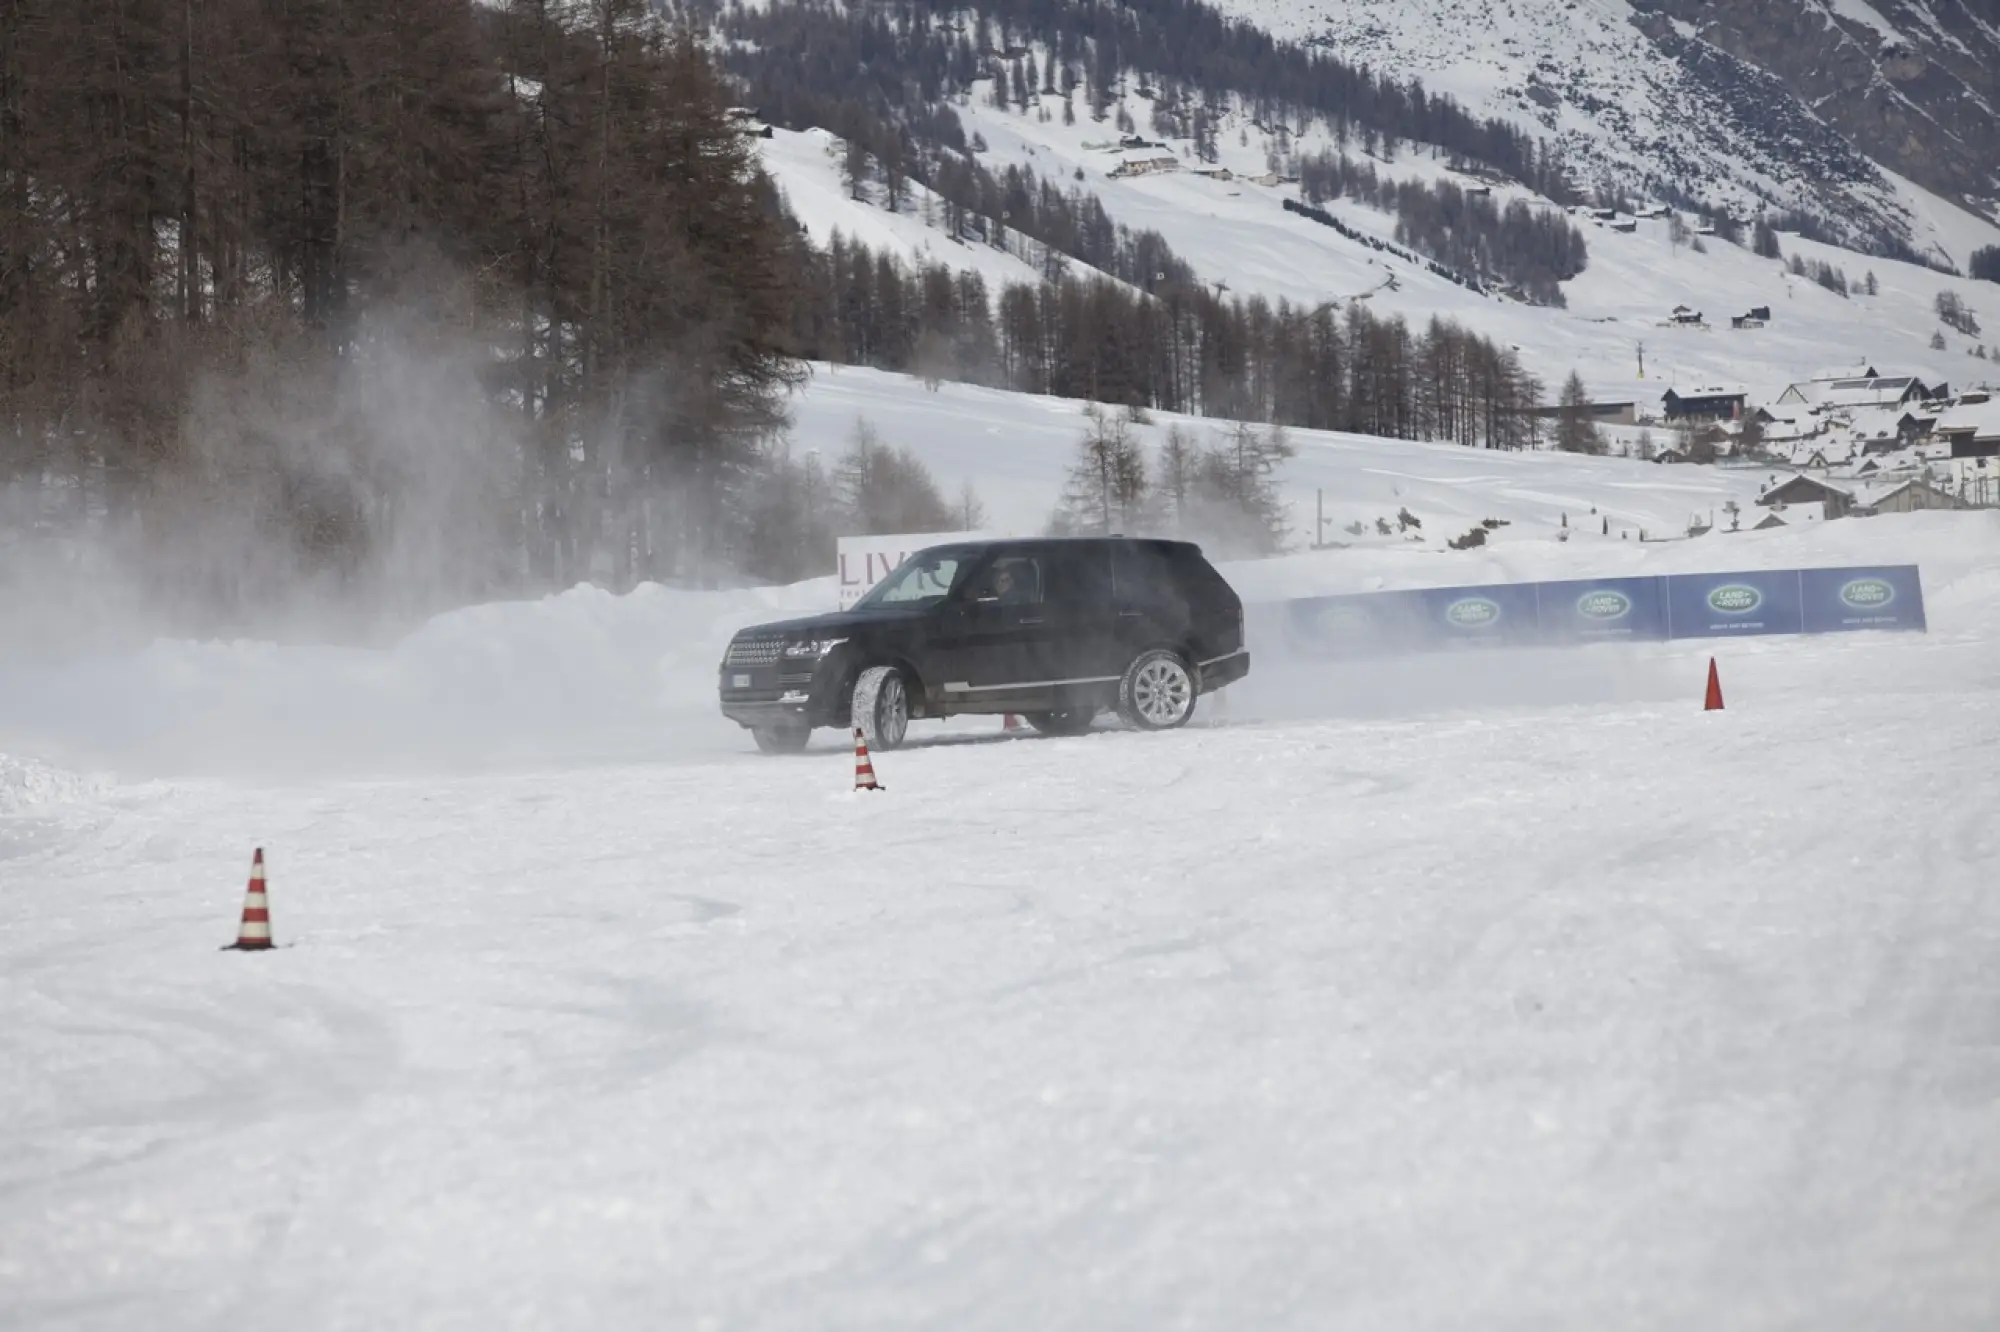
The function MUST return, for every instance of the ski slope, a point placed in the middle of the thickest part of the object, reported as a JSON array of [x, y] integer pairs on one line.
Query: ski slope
[[1497, 989]]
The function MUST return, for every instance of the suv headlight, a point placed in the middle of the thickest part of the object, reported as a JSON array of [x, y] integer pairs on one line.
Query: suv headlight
[[812, 649]]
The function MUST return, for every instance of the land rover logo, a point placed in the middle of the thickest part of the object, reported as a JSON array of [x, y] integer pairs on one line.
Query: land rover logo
[[1472, 612], [1604, 605], [1735, 599], [1867, 593]]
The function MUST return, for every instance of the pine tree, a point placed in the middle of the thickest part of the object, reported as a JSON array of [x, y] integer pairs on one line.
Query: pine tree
[[1576, 430], [1235, 505], [1106, 491], [881, 489], [1179, 471], [856, 170]]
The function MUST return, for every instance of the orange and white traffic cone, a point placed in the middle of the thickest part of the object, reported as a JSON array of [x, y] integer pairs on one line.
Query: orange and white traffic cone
[[864, 769], [1713, 703], [255, 931]]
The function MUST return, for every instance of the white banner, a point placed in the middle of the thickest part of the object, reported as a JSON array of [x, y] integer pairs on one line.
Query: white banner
[[866, 560]]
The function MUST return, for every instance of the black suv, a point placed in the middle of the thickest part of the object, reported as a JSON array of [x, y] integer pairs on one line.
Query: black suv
[[1054, 630]]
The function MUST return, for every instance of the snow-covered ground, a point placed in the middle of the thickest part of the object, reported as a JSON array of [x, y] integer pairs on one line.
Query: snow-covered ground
[[1014, 449], [1498, 990], [807, 167]]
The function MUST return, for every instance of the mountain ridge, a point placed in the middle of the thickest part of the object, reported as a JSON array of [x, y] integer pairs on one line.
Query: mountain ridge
[[1815, 106]]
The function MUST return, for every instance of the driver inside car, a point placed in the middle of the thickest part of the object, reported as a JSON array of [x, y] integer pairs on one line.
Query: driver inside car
[[1006, 586]]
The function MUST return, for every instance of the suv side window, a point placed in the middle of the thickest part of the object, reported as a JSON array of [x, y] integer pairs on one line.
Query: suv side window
[[1197, 577], [1010, 580], [1080, 575], [1144, 574]]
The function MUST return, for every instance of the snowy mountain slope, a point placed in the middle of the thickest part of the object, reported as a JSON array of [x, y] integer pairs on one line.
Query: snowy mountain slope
[[1489, 989], [1237, 234], [1735, 103], [806, 168]]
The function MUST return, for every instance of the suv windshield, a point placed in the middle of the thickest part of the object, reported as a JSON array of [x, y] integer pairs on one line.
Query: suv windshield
[[924, 579]]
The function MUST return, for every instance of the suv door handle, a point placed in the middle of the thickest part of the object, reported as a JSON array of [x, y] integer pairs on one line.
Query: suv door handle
[[1029, 619], [1128, 615]]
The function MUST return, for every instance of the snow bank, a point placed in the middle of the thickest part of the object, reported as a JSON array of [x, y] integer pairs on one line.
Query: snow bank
[[577, 677], [26, 783]]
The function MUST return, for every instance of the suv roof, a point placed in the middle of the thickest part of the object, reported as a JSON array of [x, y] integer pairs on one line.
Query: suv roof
[[985, 543]]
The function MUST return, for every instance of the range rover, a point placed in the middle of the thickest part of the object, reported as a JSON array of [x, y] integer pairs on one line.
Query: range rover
[[1056, 630]]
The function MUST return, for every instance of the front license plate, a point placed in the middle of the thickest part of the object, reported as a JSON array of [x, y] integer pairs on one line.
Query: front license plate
[[739, 682]]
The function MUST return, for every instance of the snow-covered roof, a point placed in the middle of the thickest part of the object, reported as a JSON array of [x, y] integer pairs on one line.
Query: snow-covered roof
[[1870, 494], [1981, 419], [1709, 391], [1786, 428], [1795, 513], [1807, 452], [1805, 485], [1897, 462], [1869, 424], [1864, 392]]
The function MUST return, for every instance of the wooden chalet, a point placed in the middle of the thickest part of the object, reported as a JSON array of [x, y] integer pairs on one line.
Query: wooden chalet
[[1835, 501], [1717, 402]]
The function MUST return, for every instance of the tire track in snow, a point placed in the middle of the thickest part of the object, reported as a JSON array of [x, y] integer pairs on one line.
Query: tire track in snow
[[251, 1072]]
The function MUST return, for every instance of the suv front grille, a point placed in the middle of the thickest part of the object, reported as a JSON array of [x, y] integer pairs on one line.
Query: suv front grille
[[754, 652]]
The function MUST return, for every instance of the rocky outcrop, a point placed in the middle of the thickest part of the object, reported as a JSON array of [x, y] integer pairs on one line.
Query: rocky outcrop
[[1726, 108], [1920, 98]]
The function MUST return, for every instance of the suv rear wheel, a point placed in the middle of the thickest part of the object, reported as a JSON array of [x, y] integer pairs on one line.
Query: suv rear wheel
[[1157, 691], [1073, 722], [881, 707]]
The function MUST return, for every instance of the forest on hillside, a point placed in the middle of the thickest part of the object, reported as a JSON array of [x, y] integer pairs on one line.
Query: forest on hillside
[[1186, 350], [883, 77], [429, 301], [1532, 250], [881, 73]]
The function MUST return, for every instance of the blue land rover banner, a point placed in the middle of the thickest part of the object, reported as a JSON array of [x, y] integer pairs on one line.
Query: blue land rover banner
[[1417, 620], [1576, 611], [1717, 605], [1477, 616], [1846, 599], [1590, 610]]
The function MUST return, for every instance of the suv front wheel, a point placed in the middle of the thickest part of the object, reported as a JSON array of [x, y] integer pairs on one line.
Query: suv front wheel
[[1157, 691], [881, 707]]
